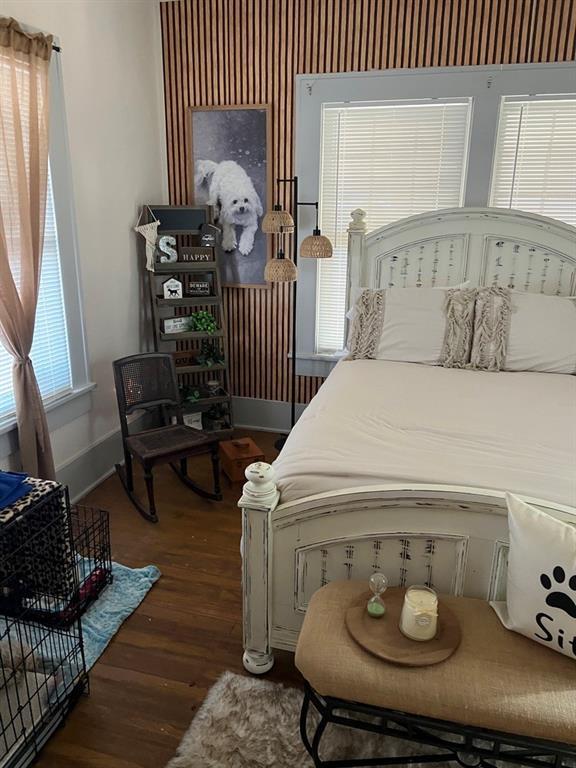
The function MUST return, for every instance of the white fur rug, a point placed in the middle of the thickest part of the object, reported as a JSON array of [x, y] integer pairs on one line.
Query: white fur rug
[[250, 723]]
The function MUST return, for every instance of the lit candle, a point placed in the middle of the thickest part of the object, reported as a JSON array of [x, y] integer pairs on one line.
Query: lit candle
[[419, 617]]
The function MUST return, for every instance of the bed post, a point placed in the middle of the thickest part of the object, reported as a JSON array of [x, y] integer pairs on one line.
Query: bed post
[[259, 499], [356, 235]]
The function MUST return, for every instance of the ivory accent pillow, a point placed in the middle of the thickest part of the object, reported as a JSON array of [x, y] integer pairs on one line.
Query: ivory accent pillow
[[524, 332], [415, 325], [541, 588]]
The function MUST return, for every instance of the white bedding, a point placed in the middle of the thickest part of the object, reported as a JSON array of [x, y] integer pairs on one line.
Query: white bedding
[[378, 422]]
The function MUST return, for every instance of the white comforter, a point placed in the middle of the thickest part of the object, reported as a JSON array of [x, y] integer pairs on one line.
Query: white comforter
[[377, 422]]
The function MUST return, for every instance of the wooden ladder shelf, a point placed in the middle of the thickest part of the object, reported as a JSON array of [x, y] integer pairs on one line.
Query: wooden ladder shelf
[[192, 350]]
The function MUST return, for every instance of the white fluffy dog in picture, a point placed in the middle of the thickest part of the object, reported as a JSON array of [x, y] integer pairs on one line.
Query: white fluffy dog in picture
[[228, 188]]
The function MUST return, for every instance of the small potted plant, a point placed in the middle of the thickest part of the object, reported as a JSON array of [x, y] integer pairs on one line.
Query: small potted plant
[[215, 418]]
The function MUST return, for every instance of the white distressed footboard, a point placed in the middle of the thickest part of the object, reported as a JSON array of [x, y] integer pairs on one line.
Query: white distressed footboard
[[453, 539]]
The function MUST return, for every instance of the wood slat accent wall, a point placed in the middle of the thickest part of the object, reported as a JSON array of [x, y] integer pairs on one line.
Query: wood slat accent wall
[[219, 52]]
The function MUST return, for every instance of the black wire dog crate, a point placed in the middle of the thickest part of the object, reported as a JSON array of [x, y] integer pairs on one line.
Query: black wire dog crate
[[67, 567], [54, 561]]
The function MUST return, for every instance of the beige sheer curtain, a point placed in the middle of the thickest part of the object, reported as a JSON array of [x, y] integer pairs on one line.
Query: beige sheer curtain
[[24, 86]]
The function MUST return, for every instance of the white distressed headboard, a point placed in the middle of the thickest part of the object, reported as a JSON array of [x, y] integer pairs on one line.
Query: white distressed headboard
[[487, 246]]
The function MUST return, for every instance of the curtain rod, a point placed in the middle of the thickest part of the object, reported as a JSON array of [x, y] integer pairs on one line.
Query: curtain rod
[[56, 48]]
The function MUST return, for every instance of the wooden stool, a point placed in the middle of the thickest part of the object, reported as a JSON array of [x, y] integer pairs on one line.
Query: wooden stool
[[499, 695]]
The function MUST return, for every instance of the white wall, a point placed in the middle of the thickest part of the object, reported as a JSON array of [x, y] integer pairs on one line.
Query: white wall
[[112, 72]]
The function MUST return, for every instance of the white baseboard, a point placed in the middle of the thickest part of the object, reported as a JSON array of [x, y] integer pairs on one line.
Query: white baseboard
[[265, 415], [90, 467]]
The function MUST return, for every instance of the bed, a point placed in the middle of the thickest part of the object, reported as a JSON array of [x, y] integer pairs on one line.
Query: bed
[[377, 421], [404, 467]]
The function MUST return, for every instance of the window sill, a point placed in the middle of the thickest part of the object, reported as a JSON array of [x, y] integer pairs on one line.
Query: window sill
[[59, 412], [316, 364]]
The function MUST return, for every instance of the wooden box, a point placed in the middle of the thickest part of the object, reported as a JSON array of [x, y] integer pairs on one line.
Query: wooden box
[[236, 455]]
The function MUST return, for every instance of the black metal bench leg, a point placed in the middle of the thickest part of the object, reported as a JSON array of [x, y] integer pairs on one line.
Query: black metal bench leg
[[473, 746], [312, 748], [304, 726], [319, 732]]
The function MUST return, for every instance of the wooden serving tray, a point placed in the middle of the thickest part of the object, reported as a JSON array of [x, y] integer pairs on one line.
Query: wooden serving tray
[[382, 637]]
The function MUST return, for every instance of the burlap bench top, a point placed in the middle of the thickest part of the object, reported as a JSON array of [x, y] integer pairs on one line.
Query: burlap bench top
[[496, 679]]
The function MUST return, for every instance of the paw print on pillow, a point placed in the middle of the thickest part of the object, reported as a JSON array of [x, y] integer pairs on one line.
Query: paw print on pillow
[[560, 599]]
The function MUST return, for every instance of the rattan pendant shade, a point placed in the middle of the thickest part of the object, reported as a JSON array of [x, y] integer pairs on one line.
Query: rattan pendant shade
[[316, 246], [277, 221], [280, 270]]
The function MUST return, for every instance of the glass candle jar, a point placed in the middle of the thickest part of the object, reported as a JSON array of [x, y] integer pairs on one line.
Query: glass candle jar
[[419, 617]]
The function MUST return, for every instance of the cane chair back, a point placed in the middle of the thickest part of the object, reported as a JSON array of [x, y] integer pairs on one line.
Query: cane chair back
[[146, 381]]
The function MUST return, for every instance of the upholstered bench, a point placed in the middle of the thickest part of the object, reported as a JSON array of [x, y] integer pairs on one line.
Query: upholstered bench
[[499, 695]]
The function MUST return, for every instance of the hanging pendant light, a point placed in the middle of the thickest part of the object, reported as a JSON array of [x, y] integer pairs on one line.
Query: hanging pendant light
[[277, 221], [280, 270], [316, 246]]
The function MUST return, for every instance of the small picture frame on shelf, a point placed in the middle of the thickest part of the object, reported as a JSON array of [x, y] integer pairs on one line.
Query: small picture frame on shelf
[[172, 289], [195, 254], [175, 324], [184, 359], [198, 287], [193, 420], [209, 235]]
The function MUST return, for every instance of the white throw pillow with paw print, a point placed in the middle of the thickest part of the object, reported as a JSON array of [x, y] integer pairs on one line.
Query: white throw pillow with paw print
[[541, 587]]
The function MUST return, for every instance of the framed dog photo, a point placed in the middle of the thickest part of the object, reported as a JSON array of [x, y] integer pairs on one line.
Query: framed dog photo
[[228, 148]]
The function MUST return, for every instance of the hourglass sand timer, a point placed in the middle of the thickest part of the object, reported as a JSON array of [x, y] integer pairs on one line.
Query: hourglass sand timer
[[378, 585]]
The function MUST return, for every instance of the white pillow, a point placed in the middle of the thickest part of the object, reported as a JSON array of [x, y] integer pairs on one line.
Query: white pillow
[[524, 332], [416, 325], [356, 292], [541, 589]]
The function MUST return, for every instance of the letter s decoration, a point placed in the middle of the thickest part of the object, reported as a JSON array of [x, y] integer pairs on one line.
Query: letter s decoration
[[167, 251]]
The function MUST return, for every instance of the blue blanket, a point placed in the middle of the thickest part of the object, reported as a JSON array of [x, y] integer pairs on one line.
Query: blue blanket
[[13, 486]]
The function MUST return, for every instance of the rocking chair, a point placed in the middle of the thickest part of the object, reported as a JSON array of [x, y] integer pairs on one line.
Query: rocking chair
[[148, 382]]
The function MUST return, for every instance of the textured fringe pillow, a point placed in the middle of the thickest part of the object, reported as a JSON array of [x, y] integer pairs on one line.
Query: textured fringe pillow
[[415, 325], [541, 586], [524, 332]]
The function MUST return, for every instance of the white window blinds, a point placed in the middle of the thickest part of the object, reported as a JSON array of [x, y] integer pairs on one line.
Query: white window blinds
[[535, 161], [50, 353], [392, 160]]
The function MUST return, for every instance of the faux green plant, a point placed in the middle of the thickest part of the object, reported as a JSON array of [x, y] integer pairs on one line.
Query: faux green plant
[[202, 322], [190, 394], [210, 354]]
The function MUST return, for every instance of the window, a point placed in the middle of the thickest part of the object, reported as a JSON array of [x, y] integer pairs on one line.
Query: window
[[50, 353], [58, 349], [401, 142], [393, 160], [535, 163]]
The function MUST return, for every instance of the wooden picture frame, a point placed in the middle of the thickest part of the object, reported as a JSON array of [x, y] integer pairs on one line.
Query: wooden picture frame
[[215, 136]]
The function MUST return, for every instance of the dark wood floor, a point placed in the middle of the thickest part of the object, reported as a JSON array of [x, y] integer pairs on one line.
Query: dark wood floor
[[155, 673]]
